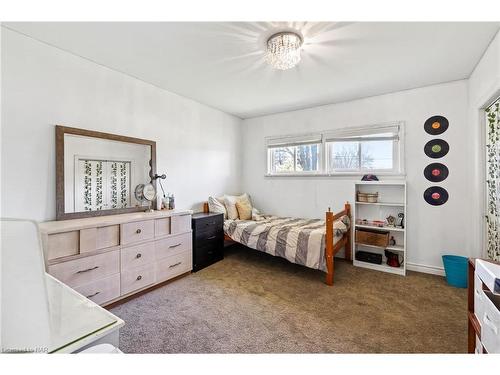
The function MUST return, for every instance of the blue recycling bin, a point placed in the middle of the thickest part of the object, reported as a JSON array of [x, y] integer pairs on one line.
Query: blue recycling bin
[[455, 268]]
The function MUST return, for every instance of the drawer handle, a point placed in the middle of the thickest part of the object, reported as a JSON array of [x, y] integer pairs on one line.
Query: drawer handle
[[490, 324], [138, 231], [212, 223], [92, 295], [210, 252], [139, 277], [88, 269], [211, 238], [172, 246], [138, 255], [175, 265]]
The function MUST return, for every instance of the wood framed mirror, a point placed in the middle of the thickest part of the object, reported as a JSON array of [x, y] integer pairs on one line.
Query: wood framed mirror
[[97, 173]]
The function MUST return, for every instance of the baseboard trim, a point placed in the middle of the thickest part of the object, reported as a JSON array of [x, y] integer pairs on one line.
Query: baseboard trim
[[425, 269]]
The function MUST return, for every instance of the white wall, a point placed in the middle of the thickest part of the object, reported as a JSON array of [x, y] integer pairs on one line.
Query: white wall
[[201, 148], [483, 86], [197, 146], [433, 230]]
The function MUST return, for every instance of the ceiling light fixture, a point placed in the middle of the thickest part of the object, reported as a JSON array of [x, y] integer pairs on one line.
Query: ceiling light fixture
[[283, 50]]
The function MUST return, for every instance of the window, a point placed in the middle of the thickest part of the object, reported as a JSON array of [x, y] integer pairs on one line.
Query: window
[[364, 150], [294, 155], [375, 149]]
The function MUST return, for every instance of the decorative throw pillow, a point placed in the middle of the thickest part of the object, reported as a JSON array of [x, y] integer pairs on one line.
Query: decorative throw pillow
[[230, 202], [217, 205], [244, 209]]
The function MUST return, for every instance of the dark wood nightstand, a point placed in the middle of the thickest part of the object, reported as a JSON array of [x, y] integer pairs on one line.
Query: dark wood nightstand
[[208, 239]]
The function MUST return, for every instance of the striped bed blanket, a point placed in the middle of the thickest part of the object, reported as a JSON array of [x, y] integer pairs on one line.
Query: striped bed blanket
[[300, 241]]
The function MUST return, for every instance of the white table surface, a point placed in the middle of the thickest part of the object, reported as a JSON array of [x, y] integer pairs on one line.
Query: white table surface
[[75, 321], [38, 312]]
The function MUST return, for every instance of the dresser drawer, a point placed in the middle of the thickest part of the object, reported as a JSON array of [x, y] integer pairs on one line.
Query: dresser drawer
[[479, 298], [173, 245], [173, 266], [137, 231], [99, 238], [162, 227], [102, 290], [85, 270], [137, 278], [63, 244], [479, 346], [180, 224], [137, 255], [490, 323]]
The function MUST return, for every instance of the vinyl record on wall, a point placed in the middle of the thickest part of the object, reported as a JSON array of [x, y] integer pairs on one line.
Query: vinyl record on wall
[[436, 195], [436, 172], [436, 148], [436, 125]]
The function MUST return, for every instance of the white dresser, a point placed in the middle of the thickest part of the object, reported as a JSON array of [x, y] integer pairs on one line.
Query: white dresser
[[484, 307], [108, 258]]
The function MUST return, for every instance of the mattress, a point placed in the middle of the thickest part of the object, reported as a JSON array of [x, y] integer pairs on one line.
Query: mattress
[[300, 241]]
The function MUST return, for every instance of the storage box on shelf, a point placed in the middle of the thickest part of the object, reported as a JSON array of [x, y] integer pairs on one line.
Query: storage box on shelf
[[108, 258], [373, 232], [484, 306]]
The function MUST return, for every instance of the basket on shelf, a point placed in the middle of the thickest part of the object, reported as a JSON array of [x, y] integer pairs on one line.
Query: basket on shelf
[[372, 237], [367, 197]]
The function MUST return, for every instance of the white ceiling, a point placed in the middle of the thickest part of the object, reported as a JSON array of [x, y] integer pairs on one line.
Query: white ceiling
[[221, 64]]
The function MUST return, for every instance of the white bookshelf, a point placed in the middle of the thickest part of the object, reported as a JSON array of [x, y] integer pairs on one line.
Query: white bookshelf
[[391, 201]]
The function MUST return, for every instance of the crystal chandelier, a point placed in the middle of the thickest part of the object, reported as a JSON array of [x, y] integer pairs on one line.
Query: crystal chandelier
[[283, 50]]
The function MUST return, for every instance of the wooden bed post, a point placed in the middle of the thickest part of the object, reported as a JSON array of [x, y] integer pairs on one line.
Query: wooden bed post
[[348, 243], [329, 247]]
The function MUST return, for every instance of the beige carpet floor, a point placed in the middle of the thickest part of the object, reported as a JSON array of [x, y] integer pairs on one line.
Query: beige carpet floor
[[255, 303]]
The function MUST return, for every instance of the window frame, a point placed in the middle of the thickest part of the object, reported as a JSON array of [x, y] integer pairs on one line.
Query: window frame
[[270, 165], [326, 137]]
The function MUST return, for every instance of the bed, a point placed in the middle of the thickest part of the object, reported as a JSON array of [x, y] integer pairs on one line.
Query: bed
[[309, 242]]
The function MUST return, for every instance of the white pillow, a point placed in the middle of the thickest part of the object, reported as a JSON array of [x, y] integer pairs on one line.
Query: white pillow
[[256, 215], [217, 205], [230, 202]]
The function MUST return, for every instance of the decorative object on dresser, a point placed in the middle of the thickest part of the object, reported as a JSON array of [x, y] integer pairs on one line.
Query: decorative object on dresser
[[96, 173], [374, 235], [108, 258], [208, 239], [484, 306], [145, 193]]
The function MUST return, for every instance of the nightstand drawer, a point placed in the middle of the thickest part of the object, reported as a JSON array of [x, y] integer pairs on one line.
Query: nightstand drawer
[[208, 254], [211, 238], [214, 221]]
